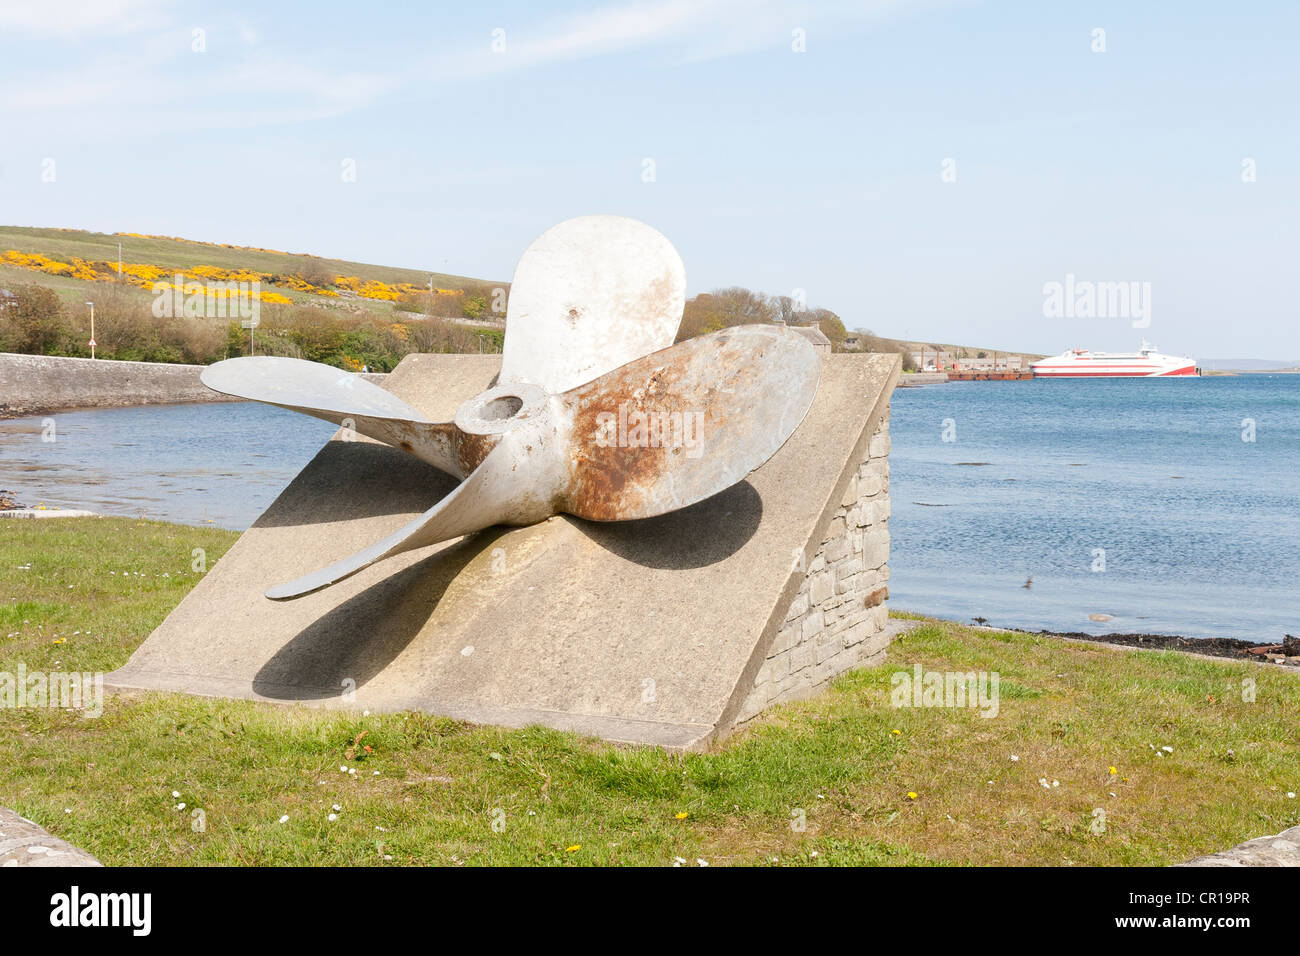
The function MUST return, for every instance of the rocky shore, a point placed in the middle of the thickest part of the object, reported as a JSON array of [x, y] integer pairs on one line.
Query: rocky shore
[[1287, 652]]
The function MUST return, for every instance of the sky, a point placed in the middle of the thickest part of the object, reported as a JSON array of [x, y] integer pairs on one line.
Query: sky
[[924, 169]]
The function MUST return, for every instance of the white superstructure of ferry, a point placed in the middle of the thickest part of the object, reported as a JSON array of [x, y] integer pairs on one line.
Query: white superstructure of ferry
[[1146, 362]]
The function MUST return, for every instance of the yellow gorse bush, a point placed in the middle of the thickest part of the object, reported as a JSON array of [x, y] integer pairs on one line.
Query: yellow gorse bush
[[146, 276]]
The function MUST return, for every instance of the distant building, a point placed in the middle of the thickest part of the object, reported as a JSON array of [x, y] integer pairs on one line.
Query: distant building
[[939, 358], [990, 363], [815, 335]]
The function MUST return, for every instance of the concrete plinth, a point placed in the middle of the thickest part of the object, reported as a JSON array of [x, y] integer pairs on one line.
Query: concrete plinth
[[666, 631]]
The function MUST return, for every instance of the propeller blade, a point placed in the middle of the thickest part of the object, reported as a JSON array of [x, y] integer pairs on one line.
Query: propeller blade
[[514, 484], [684, 423], [346, 399], [589, 295]]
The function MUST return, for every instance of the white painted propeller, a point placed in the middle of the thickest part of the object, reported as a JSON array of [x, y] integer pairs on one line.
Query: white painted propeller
[[595, 413]]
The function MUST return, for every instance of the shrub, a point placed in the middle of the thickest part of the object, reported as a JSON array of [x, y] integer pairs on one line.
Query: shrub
[[34, 321], [314, 272]]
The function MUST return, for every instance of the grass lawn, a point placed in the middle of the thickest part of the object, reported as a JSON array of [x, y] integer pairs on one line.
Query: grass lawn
[[80, 594]]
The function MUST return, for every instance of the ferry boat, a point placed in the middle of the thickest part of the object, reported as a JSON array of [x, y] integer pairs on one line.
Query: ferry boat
[[1145, 362]]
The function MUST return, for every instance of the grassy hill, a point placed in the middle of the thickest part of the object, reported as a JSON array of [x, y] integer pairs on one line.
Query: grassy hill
[[351, 315], [184, 255], [967, 351]]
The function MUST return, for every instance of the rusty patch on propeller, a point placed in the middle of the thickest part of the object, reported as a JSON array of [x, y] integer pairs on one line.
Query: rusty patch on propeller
[[632, 429], [471, 449]]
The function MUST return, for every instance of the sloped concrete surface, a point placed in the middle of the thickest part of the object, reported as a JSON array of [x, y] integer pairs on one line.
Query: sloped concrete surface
[[1280, 850], [649, 631], [23, 843]]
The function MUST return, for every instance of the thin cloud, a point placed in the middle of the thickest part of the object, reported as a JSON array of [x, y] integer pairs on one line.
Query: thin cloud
[[686, 30], [71, 17]]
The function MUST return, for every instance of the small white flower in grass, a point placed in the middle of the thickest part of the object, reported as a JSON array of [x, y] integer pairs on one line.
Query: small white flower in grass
[[365, 713], [814, 852], [1290, 794], [176, 793], [1167, 749], [67, 809], [180, 806], [1014, 758], [382, 829], [336, 808], [1056, 783], [700, 862], [388, 858], [332, 817], [342, 769], [1042, 782], [285, 818], [678, 861], [375, 774]]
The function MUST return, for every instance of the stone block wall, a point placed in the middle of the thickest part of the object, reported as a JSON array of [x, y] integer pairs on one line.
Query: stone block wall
[[839, 619], [34, 384]]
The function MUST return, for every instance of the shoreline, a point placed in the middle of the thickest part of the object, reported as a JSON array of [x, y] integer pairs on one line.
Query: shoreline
[[1286, 653]]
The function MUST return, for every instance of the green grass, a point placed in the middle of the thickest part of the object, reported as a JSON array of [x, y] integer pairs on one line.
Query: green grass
[[429, 789]]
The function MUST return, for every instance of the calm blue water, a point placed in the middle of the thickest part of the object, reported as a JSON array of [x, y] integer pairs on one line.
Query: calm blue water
[[1200, 529], [191, 464]]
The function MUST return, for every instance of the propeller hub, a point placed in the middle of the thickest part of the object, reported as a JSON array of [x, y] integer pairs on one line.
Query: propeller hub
[[501, 409]]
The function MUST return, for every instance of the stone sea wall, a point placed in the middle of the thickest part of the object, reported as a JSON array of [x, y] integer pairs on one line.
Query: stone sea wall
[[34, 384], [839, 618]]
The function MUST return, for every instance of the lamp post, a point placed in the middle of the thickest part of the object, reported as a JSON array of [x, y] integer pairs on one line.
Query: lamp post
[[92, 328]]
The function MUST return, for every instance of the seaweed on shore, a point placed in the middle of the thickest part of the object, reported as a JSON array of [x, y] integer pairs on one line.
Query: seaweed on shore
[[1217, 646]]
